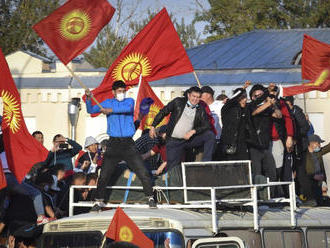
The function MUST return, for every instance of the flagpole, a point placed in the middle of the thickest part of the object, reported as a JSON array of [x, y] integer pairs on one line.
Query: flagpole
[[198, 82], [82, 85], [103, 241], [139, 85]]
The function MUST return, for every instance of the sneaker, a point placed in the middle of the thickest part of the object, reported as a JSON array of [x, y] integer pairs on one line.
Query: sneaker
[[152, 203], [97, 207], [43, 220]]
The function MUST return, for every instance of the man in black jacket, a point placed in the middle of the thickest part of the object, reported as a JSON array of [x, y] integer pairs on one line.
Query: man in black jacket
[[301, 127], [188, 127], [262, 108]]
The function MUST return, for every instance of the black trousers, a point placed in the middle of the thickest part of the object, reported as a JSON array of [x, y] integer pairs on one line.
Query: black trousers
[[119, 149]]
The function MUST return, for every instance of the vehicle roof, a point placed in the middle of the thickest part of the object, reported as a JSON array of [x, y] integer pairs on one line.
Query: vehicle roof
[[185, 220]]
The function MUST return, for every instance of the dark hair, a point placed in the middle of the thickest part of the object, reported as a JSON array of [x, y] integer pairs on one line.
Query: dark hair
[[57, 167], [194, 89], [207, 89], [118, 84], [91, 176], [57, 136], [78, 175], [289, 99], [221, 97], [44, 179], [35, 133], [255, 88]]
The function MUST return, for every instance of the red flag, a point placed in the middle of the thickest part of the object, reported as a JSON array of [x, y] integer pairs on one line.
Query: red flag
[[122, 228], [156, 52], [71, 28], [146, 91], [315, 57], [3, 182], [321, 83], [22, 150]]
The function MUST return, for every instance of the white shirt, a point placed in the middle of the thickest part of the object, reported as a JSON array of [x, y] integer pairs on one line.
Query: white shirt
[[215, 109]]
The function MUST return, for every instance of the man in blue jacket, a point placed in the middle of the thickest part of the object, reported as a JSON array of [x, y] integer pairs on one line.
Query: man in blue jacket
[[120, 127]]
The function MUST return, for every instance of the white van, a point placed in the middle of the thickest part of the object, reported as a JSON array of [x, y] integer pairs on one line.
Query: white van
[[235, 228], [205, 222]]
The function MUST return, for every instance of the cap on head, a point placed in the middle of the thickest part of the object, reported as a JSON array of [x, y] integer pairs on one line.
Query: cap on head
[[118, 84], [90, 141], [207, 89], [315, 138]]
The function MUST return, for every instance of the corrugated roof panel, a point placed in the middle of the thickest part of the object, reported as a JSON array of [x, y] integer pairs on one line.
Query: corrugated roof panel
[[256, 49]]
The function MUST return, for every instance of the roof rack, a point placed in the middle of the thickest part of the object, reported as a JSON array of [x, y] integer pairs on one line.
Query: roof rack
[[204, 204]]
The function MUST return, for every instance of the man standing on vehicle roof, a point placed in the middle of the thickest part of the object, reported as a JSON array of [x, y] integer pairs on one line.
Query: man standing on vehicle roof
[[120, 128]]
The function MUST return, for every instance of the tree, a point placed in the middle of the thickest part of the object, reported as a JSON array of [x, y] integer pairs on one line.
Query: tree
[[232, 17], [110, 41], [187, 33], [16, 20], [108, 47]]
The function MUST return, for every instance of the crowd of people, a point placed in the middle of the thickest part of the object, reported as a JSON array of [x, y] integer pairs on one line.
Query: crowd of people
[[271, 131]]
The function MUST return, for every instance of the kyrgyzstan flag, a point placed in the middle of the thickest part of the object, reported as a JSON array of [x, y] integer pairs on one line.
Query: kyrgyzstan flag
[[22, 150], [321, 83], [156, 52], [3, 182], [71, 28], [315, 57], [122, 228], [145, 91]]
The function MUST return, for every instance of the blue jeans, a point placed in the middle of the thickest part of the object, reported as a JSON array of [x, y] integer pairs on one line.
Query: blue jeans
[[26, 189], [175, 148]]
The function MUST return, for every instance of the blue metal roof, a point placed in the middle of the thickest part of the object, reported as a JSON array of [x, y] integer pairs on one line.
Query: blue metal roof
[[256, 49], [225, 78], [226, 61]]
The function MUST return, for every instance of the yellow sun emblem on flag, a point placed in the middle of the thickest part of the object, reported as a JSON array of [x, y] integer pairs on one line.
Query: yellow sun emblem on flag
[[154, 109], [130, 67], [321, 79], [11, 111], [125, 234], [75, 25]]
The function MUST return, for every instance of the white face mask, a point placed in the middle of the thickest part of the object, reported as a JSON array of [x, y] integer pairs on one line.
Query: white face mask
[[121, 96]]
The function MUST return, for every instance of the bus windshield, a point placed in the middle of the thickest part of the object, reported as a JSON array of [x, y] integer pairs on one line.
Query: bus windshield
[[94, 239]]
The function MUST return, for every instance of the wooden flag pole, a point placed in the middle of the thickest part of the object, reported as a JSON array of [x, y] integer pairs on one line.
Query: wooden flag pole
[[198, 82], [138, 88], [83, 85]]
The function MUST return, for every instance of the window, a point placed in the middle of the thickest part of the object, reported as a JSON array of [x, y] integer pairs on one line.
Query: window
[[227, 245], [72, 240], [159, 237], [226, 242]]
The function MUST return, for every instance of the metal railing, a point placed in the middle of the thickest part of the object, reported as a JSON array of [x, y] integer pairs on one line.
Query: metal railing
[[211, 204]]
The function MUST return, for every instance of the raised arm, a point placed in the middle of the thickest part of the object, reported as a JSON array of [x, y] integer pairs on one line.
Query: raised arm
[[164, 112]]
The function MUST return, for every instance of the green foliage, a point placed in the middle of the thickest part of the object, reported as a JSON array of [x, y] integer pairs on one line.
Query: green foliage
[[108, 47], [232, 17], [16, 20], [187, 33]]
